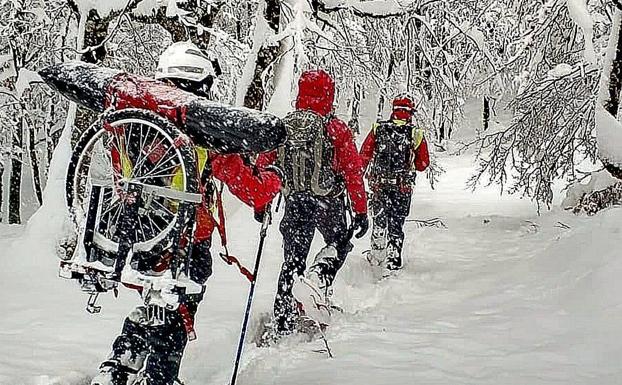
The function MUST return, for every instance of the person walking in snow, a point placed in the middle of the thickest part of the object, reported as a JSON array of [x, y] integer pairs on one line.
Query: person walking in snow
[[158, 346], [319, 165], [391, 154]]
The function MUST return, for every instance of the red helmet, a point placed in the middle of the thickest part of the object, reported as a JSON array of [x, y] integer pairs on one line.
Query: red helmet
[[403, 102], [316, 92], [403, 108]]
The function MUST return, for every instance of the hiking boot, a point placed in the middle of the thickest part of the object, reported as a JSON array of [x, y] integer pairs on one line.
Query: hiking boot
[[394, 258], [318, 280], [378, 252], [310, 292], [110, 373]]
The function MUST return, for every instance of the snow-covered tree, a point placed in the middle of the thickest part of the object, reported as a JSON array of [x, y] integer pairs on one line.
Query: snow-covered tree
[[32, 33], [555, 61]]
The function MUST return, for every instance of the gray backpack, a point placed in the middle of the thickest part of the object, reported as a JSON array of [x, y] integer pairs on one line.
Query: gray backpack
[[306, 158]]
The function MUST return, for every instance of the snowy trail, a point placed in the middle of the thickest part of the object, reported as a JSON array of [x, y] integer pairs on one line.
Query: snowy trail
[[500, 296]]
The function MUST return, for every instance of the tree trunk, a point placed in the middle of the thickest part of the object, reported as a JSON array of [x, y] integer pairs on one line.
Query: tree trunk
[[15, 180], [95, 32], [611, 82], [356, 109], [1, 191], [612, 103], [380, 107], [255, 96], [486, 113], [451, 123], [51, 138], [442, 135], [34, 164], [382, 98]]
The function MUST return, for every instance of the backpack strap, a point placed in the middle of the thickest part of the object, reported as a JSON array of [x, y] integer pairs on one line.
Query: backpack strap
[[379, 123], [417, 135], [222, 231]]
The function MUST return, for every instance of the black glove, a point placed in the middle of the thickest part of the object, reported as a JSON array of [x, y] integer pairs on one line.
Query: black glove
[[361, 223], [260, 215]]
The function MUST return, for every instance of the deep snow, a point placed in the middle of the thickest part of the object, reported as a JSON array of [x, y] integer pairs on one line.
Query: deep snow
[[501, 296]]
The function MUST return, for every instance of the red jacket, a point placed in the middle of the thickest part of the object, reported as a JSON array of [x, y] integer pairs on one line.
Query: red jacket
[[316, 92], [252, 188], [420, 158]]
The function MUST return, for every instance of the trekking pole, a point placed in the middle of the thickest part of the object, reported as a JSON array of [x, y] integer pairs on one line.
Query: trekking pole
[[251, 292], [350, 232]]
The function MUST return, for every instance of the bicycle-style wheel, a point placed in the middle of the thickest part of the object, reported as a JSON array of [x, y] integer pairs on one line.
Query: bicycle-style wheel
[[132, 158]]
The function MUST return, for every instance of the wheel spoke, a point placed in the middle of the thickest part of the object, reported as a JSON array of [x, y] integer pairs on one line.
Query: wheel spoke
[[145, 155], [163, 159], [142, 141], [156, 176], [165, 209], [160, 164], [153, 231], [112, 206], [114, 222], [143, 159]]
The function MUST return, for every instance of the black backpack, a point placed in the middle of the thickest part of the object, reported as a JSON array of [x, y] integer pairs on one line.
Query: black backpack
[[393, 154], [306, 158]]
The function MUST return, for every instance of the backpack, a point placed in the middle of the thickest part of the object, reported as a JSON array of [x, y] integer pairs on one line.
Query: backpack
[[394, 149], [306, 158]]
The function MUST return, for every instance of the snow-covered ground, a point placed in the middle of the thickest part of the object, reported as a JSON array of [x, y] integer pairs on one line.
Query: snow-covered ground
[[500, 296]]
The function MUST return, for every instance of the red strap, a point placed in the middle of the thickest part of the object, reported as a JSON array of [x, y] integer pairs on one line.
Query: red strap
[[231, 260], [188, 322], [220, 225], [139, 289], [221, 217]]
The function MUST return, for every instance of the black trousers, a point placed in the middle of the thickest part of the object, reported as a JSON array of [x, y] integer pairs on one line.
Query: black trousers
[[390, 206], [304, 213], [158, 349]]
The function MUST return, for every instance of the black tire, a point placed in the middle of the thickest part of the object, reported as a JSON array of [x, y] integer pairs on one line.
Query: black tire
[[184, 147]]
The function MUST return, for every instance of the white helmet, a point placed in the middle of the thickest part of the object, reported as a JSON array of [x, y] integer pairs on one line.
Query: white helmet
[[184, 60]]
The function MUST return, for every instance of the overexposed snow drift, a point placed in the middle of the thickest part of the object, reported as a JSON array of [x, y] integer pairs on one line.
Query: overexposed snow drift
[[501, 296]]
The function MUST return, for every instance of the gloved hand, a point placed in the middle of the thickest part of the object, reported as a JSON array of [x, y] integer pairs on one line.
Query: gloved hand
[[260, 215], [361, 223]]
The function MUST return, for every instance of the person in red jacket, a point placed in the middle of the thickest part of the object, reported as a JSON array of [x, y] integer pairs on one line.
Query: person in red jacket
[[391, 153], [319, 163], [158, 347]]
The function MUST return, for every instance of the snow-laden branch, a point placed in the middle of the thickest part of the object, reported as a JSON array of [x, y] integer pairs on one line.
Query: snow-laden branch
[[581, 16], [376, 9]]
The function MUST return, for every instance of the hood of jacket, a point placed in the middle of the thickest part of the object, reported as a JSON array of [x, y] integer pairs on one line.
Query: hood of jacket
[[316, 92]]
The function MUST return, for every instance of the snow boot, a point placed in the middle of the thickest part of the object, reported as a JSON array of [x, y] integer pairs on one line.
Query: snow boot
[[378, 252], [313, 290], [111, 373], [394, 258], [311, 328], [264, 332], [311, 293]]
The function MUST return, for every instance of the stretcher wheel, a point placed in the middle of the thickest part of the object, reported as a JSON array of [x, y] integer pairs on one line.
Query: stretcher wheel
[[136, 159]]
